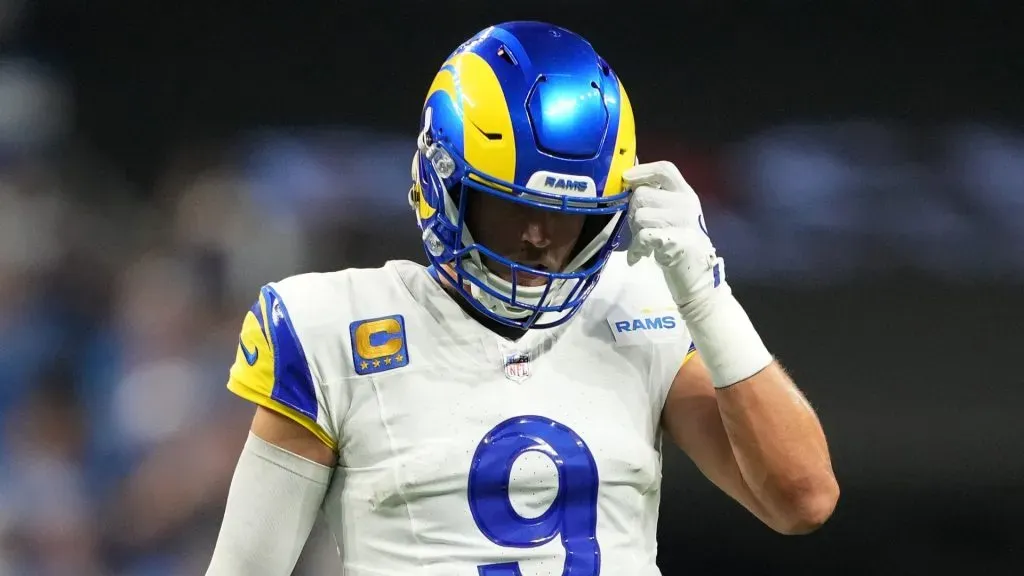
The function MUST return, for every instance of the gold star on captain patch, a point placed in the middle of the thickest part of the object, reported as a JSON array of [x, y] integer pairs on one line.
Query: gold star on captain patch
[[387, 360], [365, 364], [399, 357], [376, 363]]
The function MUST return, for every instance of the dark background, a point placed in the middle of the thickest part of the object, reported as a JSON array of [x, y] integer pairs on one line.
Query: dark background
[[154, 75], [864, 166]]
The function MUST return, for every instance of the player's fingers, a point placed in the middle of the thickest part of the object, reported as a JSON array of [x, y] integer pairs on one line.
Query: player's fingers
[[636, 253], [651, 217], [633, 256], [643, 244], [645, 241], [682, 203], [662, 174], [645, 195]]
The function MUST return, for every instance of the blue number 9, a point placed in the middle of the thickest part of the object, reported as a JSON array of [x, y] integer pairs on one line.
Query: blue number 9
[[572, 514]]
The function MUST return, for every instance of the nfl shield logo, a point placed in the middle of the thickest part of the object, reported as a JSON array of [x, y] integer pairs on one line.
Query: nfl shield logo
[[517, 367]]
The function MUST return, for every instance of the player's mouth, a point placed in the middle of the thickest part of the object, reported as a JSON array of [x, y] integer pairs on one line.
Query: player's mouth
[[522, 277]]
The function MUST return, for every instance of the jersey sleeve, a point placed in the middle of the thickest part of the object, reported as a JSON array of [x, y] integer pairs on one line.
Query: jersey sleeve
[[667, 357], [690, 352], [272, 369], [645, 317]]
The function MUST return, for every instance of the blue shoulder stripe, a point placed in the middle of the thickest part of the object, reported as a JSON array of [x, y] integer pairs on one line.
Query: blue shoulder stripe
[[293, 381]]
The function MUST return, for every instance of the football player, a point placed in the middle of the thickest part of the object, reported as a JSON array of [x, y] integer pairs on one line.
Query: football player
[[500, 412]]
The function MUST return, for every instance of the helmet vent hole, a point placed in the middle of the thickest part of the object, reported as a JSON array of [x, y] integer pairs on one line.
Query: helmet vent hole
[[507, 56]]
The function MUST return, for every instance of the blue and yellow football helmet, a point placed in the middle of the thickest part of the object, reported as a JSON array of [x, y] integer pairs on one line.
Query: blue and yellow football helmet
[[528, 112]]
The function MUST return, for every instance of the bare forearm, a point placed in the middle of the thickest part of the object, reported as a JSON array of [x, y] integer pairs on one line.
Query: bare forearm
[[780, 449]]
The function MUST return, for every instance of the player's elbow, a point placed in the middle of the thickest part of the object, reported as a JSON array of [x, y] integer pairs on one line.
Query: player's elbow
[[807, 506]]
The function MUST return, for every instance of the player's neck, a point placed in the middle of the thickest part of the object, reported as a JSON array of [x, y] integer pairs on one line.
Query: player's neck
[[494, 326]]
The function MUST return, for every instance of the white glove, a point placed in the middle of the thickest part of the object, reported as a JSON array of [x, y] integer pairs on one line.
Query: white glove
[[667, 222]]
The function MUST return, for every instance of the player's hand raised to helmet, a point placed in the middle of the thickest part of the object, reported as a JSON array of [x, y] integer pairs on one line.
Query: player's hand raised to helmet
[[667, 222]]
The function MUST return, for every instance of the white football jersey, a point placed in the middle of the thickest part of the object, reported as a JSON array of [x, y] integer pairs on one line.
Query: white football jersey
[[462, 453]]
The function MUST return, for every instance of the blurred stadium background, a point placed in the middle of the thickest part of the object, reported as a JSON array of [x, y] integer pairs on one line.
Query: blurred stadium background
[[862, 170]]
